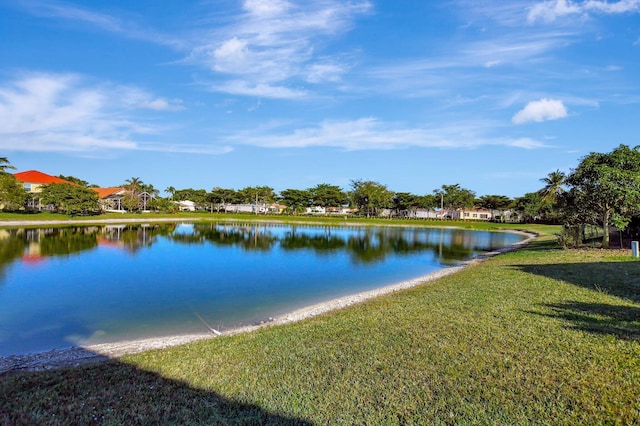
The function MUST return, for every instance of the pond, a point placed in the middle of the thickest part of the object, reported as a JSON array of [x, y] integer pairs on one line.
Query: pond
[[69, 286]]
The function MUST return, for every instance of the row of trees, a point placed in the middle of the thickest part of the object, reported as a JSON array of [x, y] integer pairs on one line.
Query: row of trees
[[603, 190], [368, 196]]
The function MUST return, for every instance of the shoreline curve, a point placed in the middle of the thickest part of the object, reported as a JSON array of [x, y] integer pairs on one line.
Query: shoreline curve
[[80, 355]]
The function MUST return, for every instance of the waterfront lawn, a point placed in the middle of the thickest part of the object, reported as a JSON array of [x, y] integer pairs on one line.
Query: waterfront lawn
[[539, 335]]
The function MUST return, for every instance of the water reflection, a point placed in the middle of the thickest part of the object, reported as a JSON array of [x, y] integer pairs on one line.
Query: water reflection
[[85, 285], [365, 245]]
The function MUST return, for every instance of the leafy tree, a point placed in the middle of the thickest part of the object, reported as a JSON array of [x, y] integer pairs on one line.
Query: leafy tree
[[12, 194], [198, 196], [494, 202], [5, 165], [608, 184], [75, 180], [222, 196], [325, 195], [530, 207], [429, 201], [370, 196], [130, 201], [164, 205], [257, 195], [455, 197], [296, 199], [70, 199], [405, 201]]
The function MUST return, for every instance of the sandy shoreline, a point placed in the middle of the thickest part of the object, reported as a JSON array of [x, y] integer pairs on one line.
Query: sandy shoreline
[[101, 352]]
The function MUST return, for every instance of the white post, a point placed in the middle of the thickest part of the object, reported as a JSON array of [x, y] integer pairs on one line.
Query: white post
[[634, 249]]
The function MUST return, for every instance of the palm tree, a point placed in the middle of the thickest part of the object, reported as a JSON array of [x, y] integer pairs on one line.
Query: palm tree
[[170, 190], [5, 164], [134, 184], [553, 186]]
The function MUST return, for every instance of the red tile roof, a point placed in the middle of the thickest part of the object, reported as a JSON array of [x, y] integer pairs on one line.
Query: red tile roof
[[105, 192], [34, 176]]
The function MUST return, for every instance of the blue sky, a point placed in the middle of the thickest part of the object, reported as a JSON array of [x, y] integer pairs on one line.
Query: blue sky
[[490, 94]]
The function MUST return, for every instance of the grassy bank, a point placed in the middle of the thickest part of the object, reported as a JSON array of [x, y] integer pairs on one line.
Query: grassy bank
[[539, 335]]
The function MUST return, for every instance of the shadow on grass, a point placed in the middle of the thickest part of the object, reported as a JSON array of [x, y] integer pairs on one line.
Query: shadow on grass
[[620, 279], [622, 322], [113, 392]]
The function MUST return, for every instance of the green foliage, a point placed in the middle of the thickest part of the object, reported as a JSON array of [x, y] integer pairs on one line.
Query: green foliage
[[531, 208], [70, 199], [554, 187], [406, 201], [76, 180], [256, 194], [370, 197], [607, 185], [222, 196], [296, 200], [198, 196], [455, 197], [5, 165], [325, 195], [134, 185], [494, 202], [12, 194]]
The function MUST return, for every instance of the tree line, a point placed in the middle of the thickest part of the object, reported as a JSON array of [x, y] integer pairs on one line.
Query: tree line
[[603, 190]]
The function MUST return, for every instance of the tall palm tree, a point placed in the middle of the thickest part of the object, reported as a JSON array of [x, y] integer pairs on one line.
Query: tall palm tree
[[170, 190], [134, 184], [5, 164], [553, 186]]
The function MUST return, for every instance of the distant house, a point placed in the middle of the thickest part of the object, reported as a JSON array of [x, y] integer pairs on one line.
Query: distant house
[[110, 198], [186, 206], [472, 214], [33, 181]]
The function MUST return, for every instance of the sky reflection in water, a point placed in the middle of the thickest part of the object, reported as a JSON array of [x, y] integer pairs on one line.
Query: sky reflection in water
[[61, 287]]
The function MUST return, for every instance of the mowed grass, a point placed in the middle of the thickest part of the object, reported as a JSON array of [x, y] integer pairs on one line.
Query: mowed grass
[[536, 336]]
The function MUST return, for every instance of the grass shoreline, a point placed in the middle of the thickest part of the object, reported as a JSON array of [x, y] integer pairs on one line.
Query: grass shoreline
[[81, 355], [534, 336]]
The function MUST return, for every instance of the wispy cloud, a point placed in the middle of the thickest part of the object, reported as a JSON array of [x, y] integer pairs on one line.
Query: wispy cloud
[[273, 46], [542, 110], [549, 11], [66, 112], [372, 134], [104, 21]]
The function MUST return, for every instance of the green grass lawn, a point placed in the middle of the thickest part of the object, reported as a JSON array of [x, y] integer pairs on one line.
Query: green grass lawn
[[535, 336]]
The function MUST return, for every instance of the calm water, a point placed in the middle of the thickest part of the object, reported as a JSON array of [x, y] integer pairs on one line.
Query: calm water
[[84, 285]]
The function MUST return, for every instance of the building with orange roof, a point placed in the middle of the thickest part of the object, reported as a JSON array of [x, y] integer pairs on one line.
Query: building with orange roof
[[33, 180], [110, 198]]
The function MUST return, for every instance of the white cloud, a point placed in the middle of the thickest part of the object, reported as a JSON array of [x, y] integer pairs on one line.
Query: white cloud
[[549, 11], [265, 8], [327, 72], [261, 90], [276, 44], [622, 6], [372, 134], [527, 143], [65, 112], [542, 110]]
